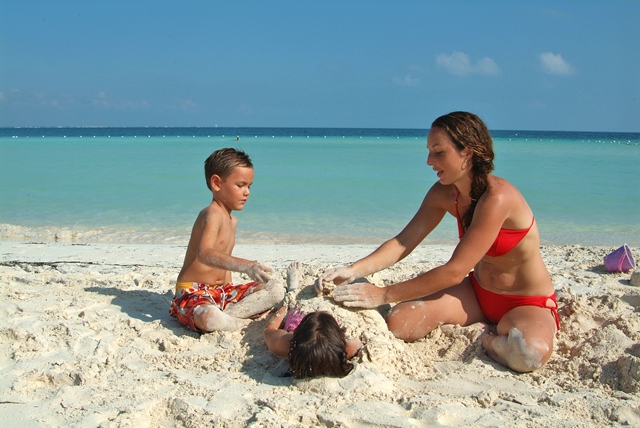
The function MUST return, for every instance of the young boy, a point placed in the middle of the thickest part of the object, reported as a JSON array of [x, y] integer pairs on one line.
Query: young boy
[[205, 300]]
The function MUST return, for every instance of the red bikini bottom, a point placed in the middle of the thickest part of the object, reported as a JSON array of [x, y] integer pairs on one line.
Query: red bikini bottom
[[494, 305]]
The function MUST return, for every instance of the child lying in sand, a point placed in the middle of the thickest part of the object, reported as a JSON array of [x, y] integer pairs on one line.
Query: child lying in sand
[[313, 343], [205, 299]]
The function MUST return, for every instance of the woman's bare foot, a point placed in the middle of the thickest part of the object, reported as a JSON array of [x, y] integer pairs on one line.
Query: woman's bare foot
[[514, 352]]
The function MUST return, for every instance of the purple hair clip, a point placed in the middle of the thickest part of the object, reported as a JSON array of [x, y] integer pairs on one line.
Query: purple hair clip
[[293, 319]]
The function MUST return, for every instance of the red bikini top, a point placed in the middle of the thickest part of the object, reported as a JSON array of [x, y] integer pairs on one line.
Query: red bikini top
[[506, 240]]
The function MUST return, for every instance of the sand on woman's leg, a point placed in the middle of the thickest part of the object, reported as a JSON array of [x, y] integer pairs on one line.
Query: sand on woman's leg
[[525, 338], [514, 352]]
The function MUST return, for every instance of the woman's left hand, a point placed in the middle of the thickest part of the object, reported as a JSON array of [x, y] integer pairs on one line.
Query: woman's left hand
[[360, 295]]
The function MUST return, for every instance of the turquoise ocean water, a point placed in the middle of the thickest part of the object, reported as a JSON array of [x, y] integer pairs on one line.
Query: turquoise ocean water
[[344, 186]]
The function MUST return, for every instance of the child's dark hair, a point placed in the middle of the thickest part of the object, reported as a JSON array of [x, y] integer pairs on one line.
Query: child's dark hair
[[223, 161], [318, 348]]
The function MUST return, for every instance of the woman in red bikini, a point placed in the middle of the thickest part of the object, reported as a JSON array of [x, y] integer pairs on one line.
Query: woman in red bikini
[[496, 273]]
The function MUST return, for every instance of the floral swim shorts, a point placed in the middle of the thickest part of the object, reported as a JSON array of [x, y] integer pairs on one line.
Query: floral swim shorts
[[191, 295]]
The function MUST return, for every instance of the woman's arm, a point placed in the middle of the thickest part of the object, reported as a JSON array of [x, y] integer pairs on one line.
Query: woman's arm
[[490, 213], [428, 216]]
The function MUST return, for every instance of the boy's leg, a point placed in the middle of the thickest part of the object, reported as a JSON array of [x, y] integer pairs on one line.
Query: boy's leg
[[210, 318], [265, 297]]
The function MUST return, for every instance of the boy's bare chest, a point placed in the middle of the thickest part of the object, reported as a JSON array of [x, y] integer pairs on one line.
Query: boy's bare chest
[[225, 240]]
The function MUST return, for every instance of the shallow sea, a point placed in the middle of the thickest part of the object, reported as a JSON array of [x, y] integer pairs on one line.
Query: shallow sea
[[311, 185]]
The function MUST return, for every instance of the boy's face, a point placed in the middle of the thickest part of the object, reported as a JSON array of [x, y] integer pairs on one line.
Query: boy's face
[[234, 191]]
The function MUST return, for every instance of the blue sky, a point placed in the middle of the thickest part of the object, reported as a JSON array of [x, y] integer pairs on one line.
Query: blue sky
[[526, 65]]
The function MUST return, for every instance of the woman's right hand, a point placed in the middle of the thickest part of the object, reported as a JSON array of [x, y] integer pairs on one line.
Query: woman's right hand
[[339, 276]]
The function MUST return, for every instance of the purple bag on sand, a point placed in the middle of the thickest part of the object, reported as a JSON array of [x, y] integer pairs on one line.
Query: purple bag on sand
[[293, 319]]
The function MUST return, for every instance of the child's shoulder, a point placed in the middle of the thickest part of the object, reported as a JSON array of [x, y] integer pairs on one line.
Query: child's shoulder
[[214, 213]]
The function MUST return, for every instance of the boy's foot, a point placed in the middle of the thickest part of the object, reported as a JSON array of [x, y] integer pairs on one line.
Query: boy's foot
[[294, 271]]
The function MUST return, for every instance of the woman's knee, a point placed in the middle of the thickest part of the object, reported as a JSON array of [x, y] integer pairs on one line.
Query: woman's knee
[[394, 323], [407, 321]]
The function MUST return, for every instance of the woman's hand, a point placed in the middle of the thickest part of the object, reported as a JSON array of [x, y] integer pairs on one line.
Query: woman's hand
[[339, 276], [361, 295]]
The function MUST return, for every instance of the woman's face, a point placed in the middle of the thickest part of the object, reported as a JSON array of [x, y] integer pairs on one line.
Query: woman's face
[[449, 163]]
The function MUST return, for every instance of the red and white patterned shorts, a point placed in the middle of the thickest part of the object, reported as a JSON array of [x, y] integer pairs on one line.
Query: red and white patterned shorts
[[189, 298]]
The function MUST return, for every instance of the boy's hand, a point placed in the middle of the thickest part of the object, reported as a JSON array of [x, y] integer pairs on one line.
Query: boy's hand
[[259, 272]]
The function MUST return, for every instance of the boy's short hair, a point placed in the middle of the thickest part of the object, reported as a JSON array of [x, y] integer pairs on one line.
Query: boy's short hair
[[223, 161]]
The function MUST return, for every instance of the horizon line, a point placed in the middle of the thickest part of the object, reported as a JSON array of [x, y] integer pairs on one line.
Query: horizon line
[[289, 127]]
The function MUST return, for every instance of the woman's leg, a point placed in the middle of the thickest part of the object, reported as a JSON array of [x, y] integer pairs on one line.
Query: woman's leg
[[415, 319], [525, 338]]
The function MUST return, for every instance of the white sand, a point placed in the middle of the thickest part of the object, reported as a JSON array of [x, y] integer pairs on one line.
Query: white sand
[[86, 340]]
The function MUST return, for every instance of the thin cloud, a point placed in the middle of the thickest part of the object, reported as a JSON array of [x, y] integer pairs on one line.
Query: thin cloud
[[245, 108], [187, 104], [407, 80], [458, 63], [555, 64], [488, 67], [101, 100]]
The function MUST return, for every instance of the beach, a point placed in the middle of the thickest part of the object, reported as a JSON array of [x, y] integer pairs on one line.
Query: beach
[[87, 341]]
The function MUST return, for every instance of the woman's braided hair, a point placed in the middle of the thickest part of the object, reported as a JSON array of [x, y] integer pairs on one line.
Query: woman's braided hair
[[467, 130]]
